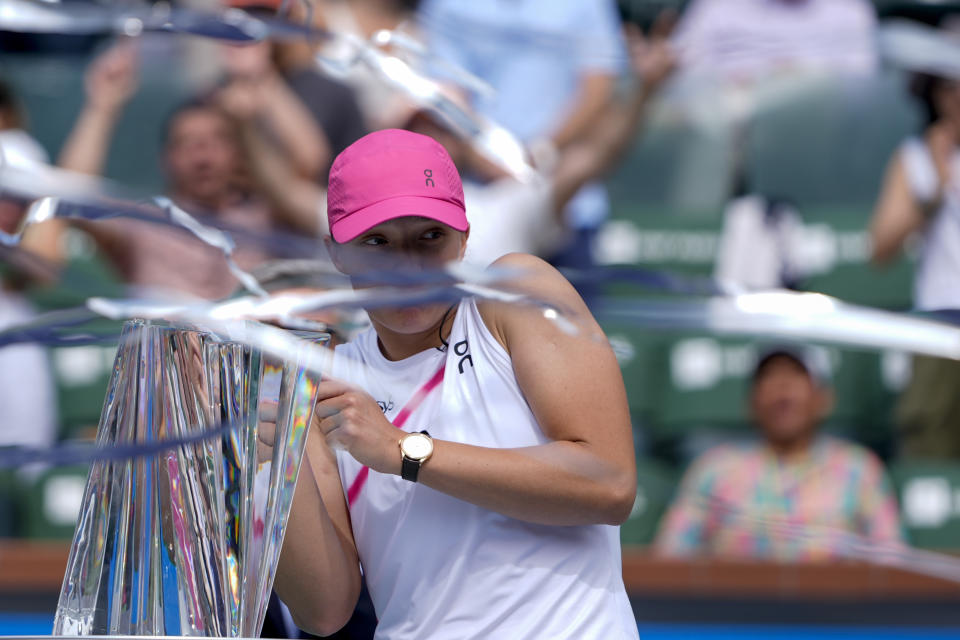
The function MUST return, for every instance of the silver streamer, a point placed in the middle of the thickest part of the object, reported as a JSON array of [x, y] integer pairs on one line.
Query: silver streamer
[[487, 138], [88, 18], [792, 316], [185, 542]]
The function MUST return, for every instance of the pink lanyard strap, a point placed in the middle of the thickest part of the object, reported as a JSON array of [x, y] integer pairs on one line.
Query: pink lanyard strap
[[398, 422]]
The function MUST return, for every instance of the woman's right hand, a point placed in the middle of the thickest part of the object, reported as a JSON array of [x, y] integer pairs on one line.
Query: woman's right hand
[[266, 438]]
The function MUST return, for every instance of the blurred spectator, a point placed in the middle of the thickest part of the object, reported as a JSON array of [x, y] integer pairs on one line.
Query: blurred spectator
[[795, 496], [18, 150], [204, 173], [360, 20], [738, 60], [746, 40], [921, 195], [288, 122], [505, 215], [332, 104], [27, 399], [553, 66]]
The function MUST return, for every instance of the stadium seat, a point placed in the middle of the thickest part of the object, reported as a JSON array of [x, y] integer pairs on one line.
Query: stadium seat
[[636, 351], [656, 484], [835, 246], [682, 384], [8, 504], [929, 494], [81, 373], [841, 244], [830, 142], [51, 503], [675, 165], [51, 89]]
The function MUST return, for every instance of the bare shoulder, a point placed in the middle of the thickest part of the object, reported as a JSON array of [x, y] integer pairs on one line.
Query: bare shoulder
[[536, 273], [545, 287]]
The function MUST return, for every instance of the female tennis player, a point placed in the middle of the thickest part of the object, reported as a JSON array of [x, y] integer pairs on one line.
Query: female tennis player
[[473, 461]]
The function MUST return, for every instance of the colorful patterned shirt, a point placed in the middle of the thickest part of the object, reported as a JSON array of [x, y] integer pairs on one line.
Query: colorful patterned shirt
[[744, 501]]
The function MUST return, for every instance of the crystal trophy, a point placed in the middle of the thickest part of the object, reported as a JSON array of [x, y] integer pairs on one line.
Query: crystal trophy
[[186, 542]]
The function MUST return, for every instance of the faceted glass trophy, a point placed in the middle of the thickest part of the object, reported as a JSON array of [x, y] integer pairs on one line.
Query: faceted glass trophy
[[186, 542]]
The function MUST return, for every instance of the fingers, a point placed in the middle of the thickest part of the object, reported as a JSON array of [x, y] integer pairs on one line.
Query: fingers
[[266, 439], [264, 453], [268, 411], [267, 433], [331, 406], [329, 388]]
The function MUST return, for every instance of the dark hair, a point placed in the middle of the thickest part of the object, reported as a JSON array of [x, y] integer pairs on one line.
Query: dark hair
[[196, 103], [925, 87], [768, 358], [10, 105]]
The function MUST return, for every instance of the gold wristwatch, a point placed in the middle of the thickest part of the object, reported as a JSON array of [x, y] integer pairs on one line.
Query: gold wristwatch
[[415, 449]]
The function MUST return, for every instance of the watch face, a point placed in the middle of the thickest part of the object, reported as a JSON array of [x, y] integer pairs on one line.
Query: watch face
[[417, 446]]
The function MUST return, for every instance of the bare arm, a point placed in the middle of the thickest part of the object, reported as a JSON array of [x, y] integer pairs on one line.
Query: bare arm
[[318, 576], [46, 240], [587, 474], [896, 215], [584, 475], [595, 153], [594, 49], [287, 118], [295, 128], [593, 96], [298, 201], [110, 82]]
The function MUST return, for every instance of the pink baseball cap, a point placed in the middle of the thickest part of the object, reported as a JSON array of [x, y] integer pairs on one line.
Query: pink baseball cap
[[393, 174]]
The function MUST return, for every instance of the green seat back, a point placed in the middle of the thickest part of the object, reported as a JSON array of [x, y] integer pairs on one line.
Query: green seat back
[[929, 494], [8, 504], [680, 384], [52, 503], [50, 86], [656, 484], [81, 373], [828, 142]]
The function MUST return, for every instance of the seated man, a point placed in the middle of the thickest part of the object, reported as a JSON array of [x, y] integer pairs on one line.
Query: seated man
[[797, 495]]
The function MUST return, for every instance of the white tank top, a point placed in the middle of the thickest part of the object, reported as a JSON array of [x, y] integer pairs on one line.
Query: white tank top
[[937, 279], [439, 567]]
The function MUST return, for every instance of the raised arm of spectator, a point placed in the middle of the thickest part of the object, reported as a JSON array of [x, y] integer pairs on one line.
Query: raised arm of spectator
[[600, 55], [110, 82], [586, 159], [907, 198], [288, 120], [299, 202]]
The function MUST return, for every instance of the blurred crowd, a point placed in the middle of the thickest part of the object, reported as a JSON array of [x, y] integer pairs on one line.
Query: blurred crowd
[[575, 82]]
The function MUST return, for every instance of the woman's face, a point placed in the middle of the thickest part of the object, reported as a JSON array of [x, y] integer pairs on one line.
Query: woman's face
[[404, 244]]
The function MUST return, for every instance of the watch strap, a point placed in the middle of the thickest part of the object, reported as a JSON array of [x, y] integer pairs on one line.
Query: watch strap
[[409, 469]]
